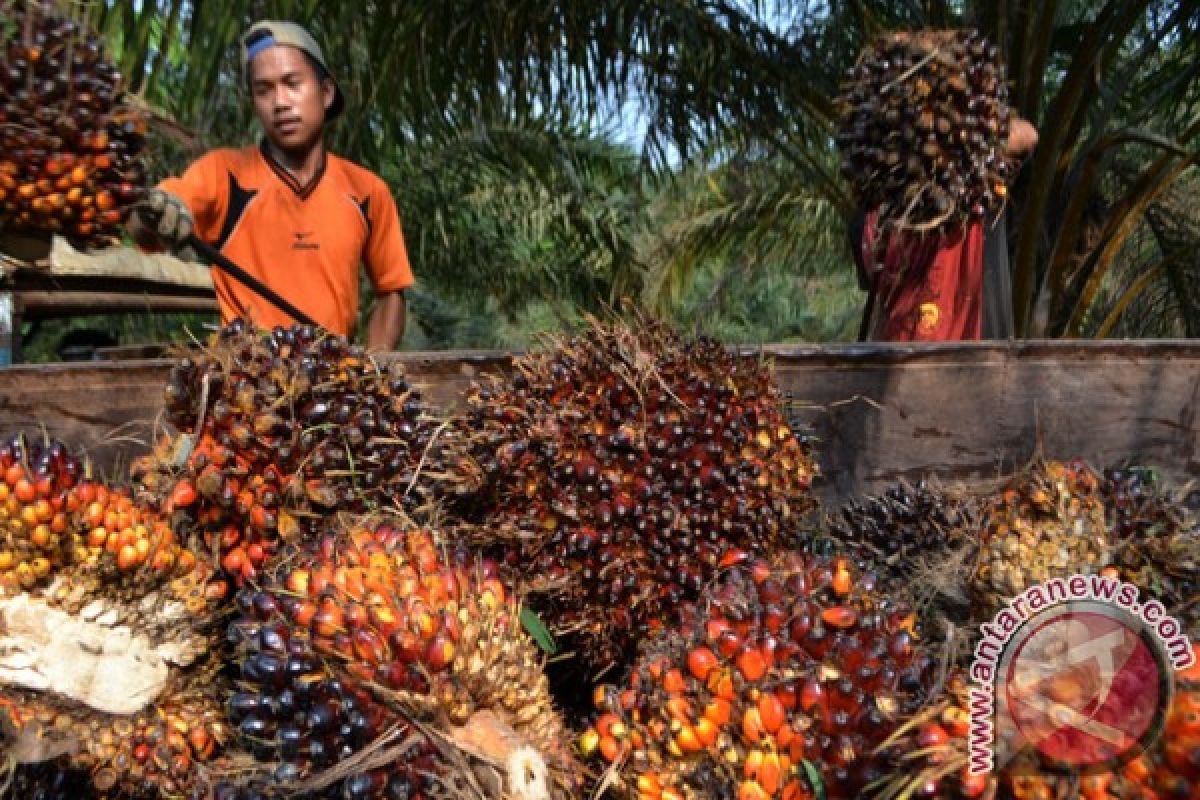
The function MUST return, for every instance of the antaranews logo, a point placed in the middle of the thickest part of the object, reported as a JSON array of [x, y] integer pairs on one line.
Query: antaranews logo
[[1074, 675]]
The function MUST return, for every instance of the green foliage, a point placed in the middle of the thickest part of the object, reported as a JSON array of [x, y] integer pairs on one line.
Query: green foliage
[[521, 211]]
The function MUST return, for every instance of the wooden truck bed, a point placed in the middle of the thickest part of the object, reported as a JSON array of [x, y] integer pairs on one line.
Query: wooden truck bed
[[881, 412]]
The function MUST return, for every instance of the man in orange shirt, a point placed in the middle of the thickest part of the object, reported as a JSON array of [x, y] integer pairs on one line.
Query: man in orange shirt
[[296, 217]]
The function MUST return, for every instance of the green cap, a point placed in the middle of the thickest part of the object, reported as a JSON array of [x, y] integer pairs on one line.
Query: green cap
[[269, 33]]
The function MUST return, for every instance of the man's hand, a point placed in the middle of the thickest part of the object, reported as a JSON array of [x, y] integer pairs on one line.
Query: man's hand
[[160, 219], [1022, 137]]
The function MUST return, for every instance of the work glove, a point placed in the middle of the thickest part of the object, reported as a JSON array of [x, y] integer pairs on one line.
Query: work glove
[[165, 218]]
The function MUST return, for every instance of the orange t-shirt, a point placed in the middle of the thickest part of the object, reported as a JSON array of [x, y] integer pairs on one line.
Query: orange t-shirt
[[306, 243]]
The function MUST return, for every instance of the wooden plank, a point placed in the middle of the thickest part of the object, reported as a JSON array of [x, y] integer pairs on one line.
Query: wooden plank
[[966, 412], [56, 257], [881, 412], [45, 303]]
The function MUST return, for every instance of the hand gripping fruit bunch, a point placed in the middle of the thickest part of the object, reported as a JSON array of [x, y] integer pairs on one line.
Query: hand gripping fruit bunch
[[613, 469], [69, 140], [923, 128], [783, 682], [379, 641], [109, 624], [284, 428]]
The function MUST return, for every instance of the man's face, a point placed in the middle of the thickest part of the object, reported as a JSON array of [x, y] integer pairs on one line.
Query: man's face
[[288, 98]]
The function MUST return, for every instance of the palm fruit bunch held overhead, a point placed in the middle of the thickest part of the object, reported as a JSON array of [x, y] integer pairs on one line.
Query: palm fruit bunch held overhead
[[69, 139], [109, 625], [783, 683], [283, 428], [614, 469], [923, 127], [378, 637]]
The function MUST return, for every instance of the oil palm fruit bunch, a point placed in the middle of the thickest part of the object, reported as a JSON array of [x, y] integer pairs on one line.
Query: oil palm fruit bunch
[[69, 139], [37, 484], [378, 637], [906, 524], [922, 129], [53, 517], [617, 466], [781, 683], [285, 427], [1048, 521], [105, 660], [1157, 541]]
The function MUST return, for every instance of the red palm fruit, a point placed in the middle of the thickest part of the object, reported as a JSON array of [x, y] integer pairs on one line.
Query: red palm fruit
[[350, 437], [776, 702], [144, 705], [376, 624]]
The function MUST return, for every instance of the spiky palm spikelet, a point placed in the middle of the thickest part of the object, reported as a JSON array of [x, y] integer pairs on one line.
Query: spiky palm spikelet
[[905, 526], [376, 637], [613, 468]]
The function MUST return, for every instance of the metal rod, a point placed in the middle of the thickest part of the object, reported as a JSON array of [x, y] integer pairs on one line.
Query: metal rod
[[218, 260]]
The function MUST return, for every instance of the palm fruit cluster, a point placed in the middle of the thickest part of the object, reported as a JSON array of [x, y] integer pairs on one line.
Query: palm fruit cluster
[[155, 752], [901, 529], [69, 139], [1049, 521], [934, 748], [53, 517], [614, 469], [783, 683], [108, 623], [378, 636], [922, 129], [1157, 542], [284, 428]]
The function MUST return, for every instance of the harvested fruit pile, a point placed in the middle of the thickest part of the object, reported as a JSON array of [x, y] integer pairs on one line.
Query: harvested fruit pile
[[69, 139], [935, 745], [923, 128], [614, 469], [284, 429], [314, 590]]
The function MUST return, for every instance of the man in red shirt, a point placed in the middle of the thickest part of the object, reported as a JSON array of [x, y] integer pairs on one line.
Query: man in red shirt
[[949, 287], [293, 215]]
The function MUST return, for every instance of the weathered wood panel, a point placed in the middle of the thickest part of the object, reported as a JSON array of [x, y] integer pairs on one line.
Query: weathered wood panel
[[962, 411], [973, 411]]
